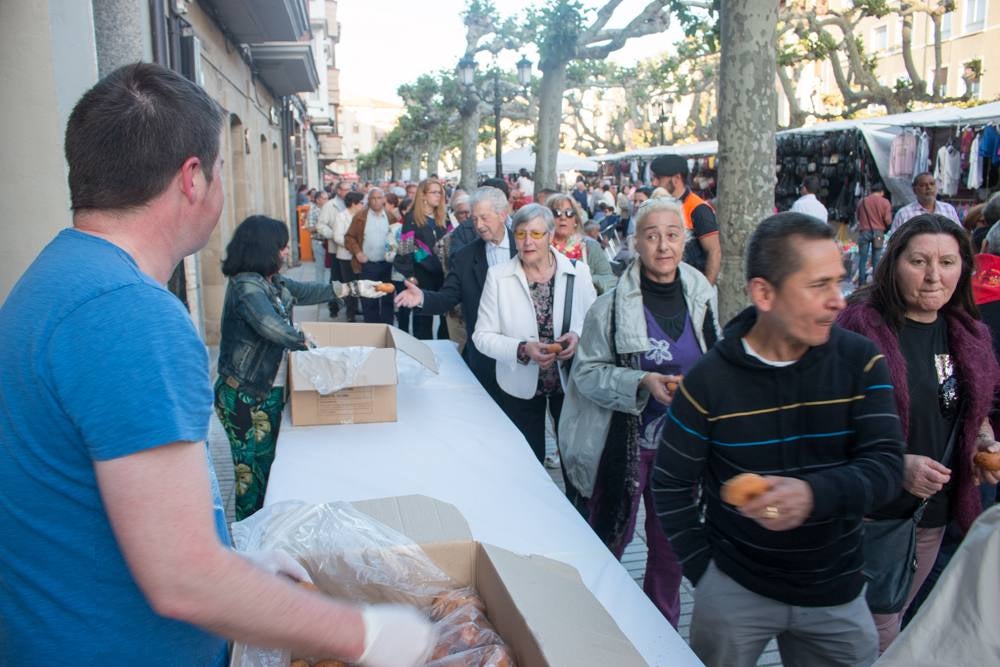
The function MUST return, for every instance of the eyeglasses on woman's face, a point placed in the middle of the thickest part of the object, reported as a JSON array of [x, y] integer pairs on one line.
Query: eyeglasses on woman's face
[[564, 213], [536, 234]]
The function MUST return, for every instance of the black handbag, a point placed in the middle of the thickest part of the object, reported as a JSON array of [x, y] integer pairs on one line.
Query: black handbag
[[890, 551]]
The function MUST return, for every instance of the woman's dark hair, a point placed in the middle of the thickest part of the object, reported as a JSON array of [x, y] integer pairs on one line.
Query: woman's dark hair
[[392, 199], [256, 247], [770, 254], [884, 295]]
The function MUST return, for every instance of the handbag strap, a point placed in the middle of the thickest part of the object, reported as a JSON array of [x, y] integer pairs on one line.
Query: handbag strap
[[568, 303], [952, 437]]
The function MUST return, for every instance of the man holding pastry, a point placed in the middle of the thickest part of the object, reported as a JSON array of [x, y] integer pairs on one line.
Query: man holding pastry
[[809, 408]]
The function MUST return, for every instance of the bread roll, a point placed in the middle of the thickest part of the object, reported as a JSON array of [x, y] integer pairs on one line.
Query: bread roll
[[743, 488], [988, 460]]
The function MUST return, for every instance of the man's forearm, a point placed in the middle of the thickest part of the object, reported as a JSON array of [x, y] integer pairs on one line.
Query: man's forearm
[[713, 264], [230, 597]]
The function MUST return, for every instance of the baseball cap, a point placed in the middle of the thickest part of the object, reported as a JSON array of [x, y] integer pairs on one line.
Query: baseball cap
[[668, 165]]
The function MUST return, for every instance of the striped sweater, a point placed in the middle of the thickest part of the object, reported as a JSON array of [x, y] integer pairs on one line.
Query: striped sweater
[[828, 419]]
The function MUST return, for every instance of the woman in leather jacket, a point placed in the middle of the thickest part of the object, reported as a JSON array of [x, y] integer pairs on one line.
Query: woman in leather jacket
[[257, 329]]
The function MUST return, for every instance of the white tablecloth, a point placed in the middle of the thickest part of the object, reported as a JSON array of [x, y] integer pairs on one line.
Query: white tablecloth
[[453, 443]]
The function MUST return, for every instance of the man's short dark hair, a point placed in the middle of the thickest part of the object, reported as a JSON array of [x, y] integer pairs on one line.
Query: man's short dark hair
[[876, 187], [770, 252], [256, 247], [353, 197], [646, 190], [669, 165], [499, 184], [131, 132], [811, 184], [917, 177]]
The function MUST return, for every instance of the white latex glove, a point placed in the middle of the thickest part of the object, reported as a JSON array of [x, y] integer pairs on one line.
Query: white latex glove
[[276, 562], [396, 636]]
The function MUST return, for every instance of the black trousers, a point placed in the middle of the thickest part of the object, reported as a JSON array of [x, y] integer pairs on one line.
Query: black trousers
[[528, 416]]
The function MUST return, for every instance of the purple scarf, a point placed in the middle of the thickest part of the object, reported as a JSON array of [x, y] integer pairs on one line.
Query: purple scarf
[[971, 347]]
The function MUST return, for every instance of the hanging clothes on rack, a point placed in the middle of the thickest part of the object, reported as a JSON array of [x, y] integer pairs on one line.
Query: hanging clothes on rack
[[975, 179], [902, 153], [948, 170], [922, 162]]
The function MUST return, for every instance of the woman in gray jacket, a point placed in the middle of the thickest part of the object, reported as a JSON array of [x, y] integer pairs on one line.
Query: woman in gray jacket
[[637, 343]]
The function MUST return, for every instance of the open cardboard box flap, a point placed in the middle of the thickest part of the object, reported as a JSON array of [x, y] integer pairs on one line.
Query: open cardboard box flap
[[568, 624], [414, 349]]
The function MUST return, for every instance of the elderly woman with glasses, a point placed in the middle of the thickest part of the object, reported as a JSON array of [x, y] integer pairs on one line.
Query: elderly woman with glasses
[[530, 317], [638, 341], [569, 239], [921, 313]]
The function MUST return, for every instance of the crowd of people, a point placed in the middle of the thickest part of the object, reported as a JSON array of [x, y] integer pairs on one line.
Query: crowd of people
[[858, 414]]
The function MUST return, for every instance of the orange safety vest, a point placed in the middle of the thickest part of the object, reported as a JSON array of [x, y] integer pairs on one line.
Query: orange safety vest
[[689, 204]]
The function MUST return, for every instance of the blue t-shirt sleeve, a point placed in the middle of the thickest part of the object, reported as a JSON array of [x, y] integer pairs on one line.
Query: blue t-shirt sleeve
[[131, 372]]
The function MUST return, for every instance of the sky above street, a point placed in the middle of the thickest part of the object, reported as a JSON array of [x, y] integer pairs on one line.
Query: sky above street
[[386, 43]]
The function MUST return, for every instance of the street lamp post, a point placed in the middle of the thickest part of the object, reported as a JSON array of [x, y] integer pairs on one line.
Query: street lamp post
[[666, 109], [466, 75]]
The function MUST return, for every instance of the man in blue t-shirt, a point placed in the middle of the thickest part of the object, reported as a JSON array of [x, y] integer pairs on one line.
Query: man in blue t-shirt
[[114, 548]]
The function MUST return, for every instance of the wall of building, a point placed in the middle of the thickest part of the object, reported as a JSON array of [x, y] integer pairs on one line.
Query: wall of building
[[47, 60], [254, 178]]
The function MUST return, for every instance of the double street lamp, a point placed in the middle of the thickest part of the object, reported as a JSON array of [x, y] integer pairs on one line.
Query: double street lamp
[[666, 108], [467, 74]]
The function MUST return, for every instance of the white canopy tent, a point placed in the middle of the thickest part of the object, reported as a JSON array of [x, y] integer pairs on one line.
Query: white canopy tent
[[524, 158]]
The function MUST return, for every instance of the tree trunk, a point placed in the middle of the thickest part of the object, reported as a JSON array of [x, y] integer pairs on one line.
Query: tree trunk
[[747, 117], [550, 97], [433, 158], [415, 165], [396, 166], [470, 141]]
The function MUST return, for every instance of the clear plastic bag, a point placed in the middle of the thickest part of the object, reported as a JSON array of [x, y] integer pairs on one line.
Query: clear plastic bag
[[330, 369], [353, 557]]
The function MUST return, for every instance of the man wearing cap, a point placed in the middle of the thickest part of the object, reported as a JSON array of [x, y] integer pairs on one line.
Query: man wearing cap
[[703, 251]]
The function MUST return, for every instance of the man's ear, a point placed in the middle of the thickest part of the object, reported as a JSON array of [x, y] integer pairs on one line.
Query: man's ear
[[761, 294], [190, 172]]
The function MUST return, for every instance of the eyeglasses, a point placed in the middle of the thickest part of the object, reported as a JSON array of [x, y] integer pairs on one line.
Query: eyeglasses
[[564, 213], [521, 234], [433, 192]]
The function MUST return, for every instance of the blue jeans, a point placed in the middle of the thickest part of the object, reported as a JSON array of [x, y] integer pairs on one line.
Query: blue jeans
[[864, 242]]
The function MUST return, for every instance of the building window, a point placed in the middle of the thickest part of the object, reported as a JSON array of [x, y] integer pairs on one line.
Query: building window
[[880, 38], [945, 26], [975, 15]]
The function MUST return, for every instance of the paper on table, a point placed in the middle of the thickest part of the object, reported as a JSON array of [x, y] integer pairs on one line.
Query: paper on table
[[329, 369]]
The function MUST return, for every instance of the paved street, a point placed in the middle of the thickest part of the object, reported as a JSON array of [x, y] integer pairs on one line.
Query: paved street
[[634, 558]]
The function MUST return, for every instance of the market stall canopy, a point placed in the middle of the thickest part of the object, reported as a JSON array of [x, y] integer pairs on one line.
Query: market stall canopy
[[524, 158], [687, 150]]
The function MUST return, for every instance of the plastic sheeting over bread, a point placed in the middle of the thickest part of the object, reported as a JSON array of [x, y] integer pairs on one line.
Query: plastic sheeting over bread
[[329, 369], [353, 557]]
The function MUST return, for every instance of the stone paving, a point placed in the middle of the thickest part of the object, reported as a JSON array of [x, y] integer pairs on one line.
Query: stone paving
[[634, 558]]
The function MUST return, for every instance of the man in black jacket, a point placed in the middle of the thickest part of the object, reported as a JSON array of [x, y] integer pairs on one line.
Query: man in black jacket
[[467, 275], [790, 396]]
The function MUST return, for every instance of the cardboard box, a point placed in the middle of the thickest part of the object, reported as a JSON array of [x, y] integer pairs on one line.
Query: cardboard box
[[540, 607], [372, 396]]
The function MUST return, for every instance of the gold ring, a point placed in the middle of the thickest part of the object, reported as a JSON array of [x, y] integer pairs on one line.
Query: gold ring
[[771, 512]]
